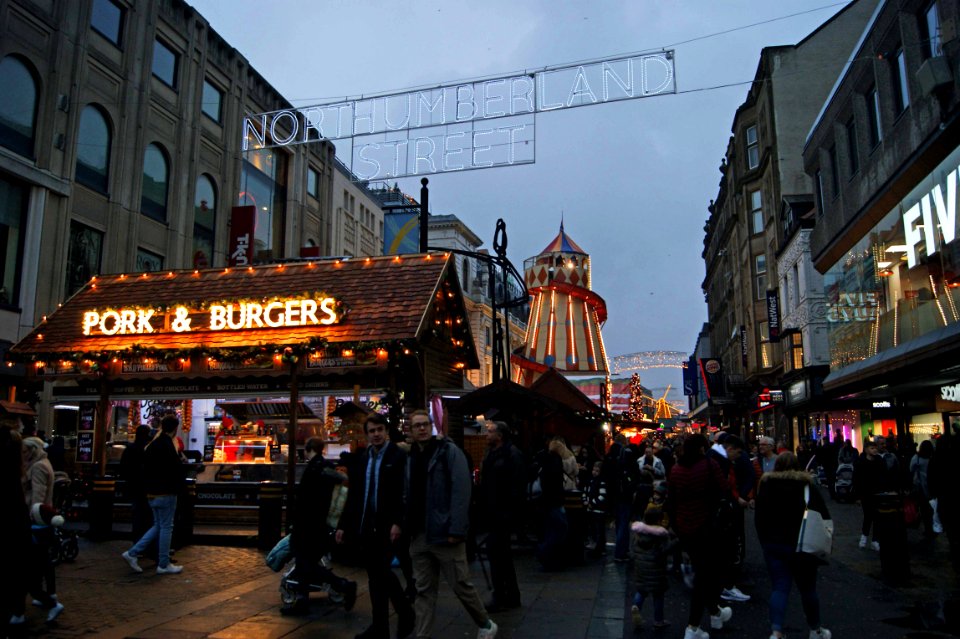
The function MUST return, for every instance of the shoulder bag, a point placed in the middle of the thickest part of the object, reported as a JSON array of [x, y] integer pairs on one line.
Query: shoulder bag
[[816, 533]]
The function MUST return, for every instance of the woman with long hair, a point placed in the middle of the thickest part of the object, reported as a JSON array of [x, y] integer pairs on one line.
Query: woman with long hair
[[696, 487], [558, 447], [781, 501]]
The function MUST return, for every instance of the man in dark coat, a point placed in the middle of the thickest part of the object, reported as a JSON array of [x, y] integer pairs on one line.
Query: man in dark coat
[[310, 539], [373, 515], [869, 480], [501, 495], [943, 477], [132, 472]]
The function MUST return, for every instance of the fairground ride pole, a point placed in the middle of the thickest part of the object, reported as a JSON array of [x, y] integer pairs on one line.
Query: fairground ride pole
[[424, 208]]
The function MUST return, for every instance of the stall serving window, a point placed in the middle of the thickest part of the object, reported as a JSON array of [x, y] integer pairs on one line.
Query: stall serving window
[[901, 280]]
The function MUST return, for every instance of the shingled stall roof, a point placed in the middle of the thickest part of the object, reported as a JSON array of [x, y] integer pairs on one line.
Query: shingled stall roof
[[383, 298]]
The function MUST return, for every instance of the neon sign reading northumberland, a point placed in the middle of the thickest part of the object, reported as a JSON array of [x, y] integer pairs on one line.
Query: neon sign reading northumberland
[[460, 126], [239, 315]]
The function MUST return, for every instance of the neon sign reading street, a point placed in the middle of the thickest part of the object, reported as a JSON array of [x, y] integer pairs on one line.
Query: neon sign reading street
[[459, 126], [240, 315]]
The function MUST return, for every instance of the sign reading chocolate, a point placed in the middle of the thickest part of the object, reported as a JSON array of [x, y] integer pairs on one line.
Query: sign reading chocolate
[[224, 316]]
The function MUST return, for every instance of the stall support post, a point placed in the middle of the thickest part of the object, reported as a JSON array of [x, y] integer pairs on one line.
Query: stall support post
[[292, 443], [101, 508], [183, 526], [424, 214], [270, 514], [100, 437]]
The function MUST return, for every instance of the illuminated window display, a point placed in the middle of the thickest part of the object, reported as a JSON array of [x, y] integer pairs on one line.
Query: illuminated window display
[[900, 280]]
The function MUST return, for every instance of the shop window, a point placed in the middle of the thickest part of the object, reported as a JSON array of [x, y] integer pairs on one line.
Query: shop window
[[148, 262], [83, 256], [901, 90], [818, 196], [766, 346], [756, 212], [18, 108], [106, 18], [873, 117], [313, 183], [794, 356], [204, 222], [930, 32], [853, 153], [153, 199], [753, 148], [212, 102], [834, 173], [93, 150], [165, 63], [262, 185], [13, 222], [760, 272]]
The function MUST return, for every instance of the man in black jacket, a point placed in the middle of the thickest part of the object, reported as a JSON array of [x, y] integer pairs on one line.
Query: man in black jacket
[[310, 539], [373, 514], [163, 475], [501, 494]]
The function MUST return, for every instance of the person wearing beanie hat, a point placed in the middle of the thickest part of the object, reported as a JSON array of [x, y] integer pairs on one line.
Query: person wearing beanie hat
[[39, 477]]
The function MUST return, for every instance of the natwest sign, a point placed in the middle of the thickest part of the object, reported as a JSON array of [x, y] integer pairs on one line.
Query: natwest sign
[[237, 315]]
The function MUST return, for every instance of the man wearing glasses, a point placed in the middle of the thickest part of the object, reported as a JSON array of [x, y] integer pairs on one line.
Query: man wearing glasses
[[437, 496], [374, 514]]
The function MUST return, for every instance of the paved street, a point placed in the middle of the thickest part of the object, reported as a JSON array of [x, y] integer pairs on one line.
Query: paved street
[[227, 593]]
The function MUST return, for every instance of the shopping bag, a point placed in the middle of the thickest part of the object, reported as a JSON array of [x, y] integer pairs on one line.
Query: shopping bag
[[911, 512], [816, 533], [280, 555]]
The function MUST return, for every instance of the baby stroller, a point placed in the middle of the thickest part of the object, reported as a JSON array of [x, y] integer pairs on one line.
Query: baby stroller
[[289, 585], [64, 546], [843, 484], [45, 522]]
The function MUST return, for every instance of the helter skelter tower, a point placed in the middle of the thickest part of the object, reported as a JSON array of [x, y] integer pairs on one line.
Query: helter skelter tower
[[563, 331]]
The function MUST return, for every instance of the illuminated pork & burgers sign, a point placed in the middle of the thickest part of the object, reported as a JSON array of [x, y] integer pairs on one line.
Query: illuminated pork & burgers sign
[[221, 316]]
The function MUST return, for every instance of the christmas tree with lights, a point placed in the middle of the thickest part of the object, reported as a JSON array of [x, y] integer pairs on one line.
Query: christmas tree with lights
[[635, 409]]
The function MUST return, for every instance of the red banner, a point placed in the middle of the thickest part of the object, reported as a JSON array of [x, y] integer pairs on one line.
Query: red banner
[[243, 221]]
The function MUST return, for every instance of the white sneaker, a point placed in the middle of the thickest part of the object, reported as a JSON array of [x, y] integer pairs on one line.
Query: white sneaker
[[863, 541], [875, 545], [695, 633], [734, 594], [171, 569], [130, 559], [54, 612], [820, 633], [717, 621], [17, 620], [488, 633]]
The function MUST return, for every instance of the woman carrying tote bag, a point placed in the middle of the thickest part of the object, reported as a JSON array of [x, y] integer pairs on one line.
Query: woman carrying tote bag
[[781, 502]]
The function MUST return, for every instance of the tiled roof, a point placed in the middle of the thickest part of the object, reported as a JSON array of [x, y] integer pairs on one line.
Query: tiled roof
[[386, 299]]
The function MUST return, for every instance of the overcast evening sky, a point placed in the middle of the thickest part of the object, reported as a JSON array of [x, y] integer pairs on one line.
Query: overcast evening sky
[[633, 179]]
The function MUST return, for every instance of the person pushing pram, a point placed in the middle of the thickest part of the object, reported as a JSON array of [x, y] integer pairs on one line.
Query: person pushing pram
[[311, 537]]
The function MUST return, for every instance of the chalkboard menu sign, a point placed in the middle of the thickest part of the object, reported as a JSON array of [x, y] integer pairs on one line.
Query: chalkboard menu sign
[[208, 452], [88, 411], [85, 447]]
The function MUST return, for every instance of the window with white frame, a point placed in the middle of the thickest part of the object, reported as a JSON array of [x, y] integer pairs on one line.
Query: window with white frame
[[760, 272], [753, 148], [756, 212]]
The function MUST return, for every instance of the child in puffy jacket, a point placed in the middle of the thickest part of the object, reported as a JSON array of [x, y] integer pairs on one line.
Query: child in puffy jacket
[[652, 543]]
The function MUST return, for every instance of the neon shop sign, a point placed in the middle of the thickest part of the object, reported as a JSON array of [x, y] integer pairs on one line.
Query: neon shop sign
[[233, 316], [918, 220], [459, 126]]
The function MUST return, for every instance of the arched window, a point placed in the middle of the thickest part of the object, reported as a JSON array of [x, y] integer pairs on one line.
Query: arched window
[[153, 197], [93, 149], [18, 108], [204, 222]]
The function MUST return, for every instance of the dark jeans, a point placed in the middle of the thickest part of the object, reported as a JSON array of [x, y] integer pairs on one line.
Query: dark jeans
[[707, 569], [639, 597], [503, 574], [785, 567], [384, 585], [623, 511], [310, 570], [597, 523], [868, 511], [555, 528]]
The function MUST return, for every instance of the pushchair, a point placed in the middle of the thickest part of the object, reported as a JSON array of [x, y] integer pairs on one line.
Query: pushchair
[[289, 585], [64, 545], [843, 484]]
